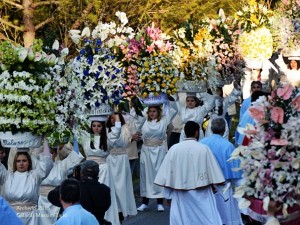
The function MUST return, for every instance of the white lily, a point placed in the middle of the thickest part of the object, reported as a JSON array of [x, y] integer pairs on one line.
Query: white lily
[[239, 192], [266, 202], [244, 203], [38, 56], [55, 45], [86, 32]]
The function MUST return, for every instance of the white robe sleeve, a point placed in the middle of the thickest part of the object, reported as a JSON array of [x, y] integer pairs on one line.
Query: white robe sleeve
[[119, 137], [172, 111], [208, 103], [71, 160], [43, 167], [233, 97]]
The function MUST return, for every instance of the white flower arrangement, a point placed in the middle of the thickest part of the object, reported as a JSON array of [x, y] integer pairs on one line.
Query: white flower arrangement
[[69, 117], [101, 75], [271, 162], [256, 44], [111, 34], [26, 95]]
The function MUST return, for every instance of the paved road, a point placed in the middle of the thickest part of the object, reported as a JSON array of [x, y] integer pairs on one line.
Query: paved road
[[150, 217]]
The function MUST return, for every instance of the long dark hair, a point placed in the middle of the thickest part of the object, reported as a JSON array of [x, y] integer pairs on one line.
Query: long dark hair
[[28, 158], [109, 124], [103, 137]]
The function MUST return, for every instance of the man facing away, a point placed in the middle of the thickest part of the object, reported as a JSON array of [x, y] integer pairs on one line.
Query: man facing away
[[222, 150], [95, 197], [74, 213], [187, 173]]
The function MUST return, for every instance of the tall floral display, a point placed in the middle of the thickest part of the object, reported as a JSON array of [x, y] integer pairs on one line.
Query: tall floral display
[[193, 57], [208, 53], [69, 114], [100, 71], [225, 32], [150, 55], [255, 42], [27, 94], [271, 162]]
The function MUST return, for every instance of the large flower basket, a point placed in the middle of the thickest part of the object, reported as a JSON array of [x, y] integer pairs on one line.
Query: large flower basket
[[100, 113], [20, 140], [256, 212], [256, 45], [155, 100], [191, 86]]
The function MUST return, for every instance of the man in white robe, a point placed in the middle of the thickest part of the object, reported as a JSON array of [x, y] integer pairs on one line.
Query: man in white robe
[[222, 149], [187, 174]]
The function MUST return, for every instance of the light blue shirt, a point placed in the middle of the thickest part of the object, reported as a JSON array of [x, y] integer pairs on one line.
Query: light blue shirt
[[222, 149], [77, 215], [245, 105], [7, 214]]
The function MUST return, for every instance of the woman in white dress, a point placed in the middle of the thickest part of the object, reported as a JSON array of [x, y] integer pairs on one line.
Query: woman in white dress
[[193, 112], [119, 137], [21, 186], [96, 148], [64, 157], [153, 151], [293, 71], [221, 107]]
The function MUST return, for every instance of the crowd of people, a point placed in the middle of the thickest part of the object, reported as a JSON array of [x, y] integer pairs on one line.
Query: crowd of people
[[180, 158]]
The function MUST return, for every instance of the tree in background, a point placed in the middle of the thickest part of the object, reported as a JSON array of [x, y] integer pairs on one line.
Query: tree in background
[[21, 21]]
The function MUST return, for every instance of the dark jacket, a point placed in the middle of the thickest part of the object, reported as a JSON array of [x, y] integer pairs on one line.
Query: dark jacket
[[94, 197]]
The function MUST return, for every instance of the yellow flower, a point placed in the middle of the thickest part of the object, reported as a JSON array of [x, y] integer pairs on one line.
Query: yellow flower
[[154, 54], [146, 64], [145, 95], [163, 85], [147, 69], [169, 92], [152, 88], [142, 84], [158, 80], [254, 19], [252, 2], [139, 69], [149, 81]]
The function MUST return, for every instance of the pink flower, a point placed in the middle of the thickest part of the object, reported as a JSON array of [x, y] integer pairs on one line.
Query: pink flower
[[277, 114], [257, 113], [285, 92], [150, 48], [296, 103], [280, 142]]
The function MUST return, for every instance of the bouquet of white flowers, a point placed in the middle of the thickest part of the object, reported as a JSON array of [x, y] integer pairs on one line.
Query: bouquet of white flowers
[[26, 91]]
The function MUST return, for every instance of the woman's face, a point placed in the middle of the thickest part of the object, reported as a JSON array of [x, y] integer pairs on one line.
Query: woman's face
[[96, 128], [293, 65], [152, 113], [22, 163], [112, 119], [190, 102]]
